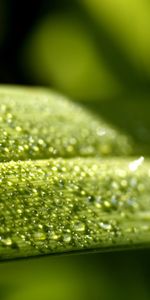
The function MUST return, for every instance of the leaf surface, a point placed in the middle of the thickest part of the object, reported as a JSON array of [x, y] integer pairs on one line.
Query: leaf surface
[[64, 184]]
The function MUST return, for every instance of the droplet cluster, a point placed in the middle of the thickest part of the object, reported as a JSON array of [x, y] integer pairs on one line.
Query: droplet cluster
[[37, 124], [59, 205], [57, 191]]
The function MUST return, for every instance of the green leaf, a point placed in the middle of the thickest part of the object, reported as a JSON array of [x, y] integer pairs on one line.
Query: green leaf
[[36, 123], [58, 192]]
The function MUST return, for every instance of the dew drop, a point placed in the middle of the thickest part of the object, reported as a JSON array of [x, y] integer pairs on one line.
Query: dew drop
[[133, 166], [53, 236], [41, 236], [7, 242], [107, 204], [79, 227], [105, 226], [67, 238]]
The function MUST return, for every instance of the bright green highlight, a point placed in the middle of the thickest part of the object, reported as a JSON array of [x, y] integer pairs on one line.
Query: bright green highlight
[[62, 51], [129, 23]]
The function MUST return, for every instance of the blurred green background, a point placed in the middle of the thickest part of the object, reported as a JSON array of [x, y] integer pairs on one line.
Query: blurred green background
[[98, 53]]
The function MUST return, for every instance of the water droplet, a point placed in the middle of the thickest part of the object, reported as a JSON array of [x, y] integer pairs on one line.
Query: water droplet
[[41, 236], [107, 204], [67, 238], [133, 166], [105, 226], [18, 128], [90, 199], [40, 226], [83, 193], [7, 242], [79, 226], [53, 236], [115, 185], [98, 201], [40, 142], [101, 131]]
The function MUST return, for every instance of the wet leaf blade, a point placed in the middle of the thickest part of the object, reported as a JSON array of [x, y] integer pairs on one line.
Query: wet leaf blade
[[63, 205]]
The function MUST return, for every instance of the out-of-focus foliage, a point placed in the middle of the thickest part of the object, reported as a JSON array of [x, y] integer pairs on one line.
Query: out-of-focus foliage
[[90, 50], [61, 51], [107, 276], [97, 52], [128, 21]]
